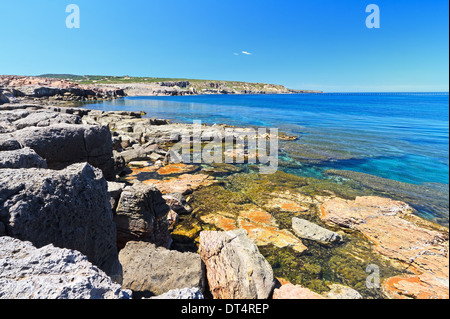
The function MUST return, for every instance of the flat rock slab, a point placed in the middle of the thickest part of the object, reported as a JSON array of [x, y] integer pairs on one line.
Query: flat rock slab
[[307, 230], [51, 273], [150, 270], [404, 238]]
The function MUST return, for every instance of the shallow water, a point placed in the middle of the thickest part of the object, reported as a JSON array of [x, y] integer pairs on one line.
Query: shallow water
[[398, 137]]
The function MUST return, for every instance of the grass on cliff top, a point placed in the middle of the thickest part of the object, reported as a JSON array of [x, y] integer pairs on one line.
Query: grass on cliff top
[[103, 79]]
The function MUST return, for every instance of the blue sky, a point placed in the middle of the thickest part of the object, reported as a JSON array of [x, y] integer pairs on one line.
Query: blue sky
[[313, 44]]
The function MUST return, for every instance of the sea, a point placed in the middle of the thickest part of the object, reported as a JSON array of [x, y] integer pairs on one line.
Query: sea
[[398, 137]]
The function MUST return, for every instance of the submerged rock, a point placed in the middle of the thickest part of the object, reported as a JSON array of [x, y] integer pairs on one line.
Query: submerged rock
[[149, 270], [305, 229], [27, 272], [235, 268]]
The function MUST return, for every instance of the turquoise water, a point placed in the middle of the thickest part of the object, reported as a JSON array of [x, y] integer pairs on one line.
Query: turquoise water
[[403, 137]]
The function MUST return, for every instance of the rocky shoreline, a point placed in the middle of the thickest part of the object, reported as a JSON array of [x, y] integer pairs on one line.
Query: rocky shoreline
[[27, 89], [91, 207]]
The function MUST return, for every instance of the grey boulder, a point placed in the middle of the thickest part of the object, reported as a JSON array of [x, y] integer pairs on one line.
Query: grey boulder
[[68, 208], [21, 158], [51, 273]]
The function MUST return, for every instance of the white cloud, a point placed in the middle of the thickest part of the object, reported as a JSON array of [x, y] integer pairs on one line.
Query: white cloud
[[247, 53]]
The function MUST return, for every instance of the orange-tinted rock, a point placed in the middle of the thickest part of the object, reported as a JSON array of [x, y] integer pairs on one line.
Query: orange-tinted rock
[[290, 291], [286, 205], [391, 227], [424, 286], [182, 184], [175, 169], [222, 222]]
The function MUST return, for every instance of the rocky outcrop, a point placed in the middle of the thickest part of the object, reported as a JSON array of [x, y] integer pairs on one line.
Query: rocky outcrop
[[307, 230], [234, 266], [21, 158], [20, 88], [51, 273], [68, 208], [420, 246], [64, 144], [141, 215], [149, 270]]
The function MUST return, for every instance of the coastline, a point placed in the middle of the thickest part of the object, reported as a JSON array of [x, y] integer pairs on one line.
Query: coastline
[[229, 198]]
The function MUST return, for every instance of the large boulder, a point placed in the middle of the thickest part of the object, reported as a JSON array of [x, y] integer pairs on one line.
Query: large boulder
[[234, 266], [21, 158], [68, 208], [64, 144], [149, 270], [141, 215], [51, 273]]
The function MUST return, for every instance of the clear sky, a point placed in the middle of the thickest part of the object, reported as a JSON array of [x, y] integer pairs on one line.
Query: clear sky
[[303, 44]]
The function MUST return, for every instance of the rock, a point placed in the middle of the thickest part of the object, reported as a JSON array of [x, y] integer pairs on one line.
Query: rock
[[184, 184], [289, 291], [177, 169], [186, 293], [68, 208], [2, 229], [141, 215], [21, 158], [149, 270], [8, 143], [64, 144], [115, 190], [234, 266], [342, 292], [177, 203], [133, 155], [22, 118], [51, 273], [307, 230], [420, 246], [260, 226]]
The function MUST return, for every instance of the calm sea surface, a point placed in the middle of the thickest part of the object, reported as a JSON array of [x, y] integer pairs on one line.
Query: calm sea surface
[[403, 137]]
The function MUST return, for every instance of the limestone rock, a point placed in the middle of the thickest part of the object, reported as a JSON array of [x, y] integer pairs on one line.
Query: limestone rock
[[235, 267], [68, 208], [186, 293], [141, 215], [150, 270], [305, 229], [64, 144], [21, 158], [51, 273], [8, 143]]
